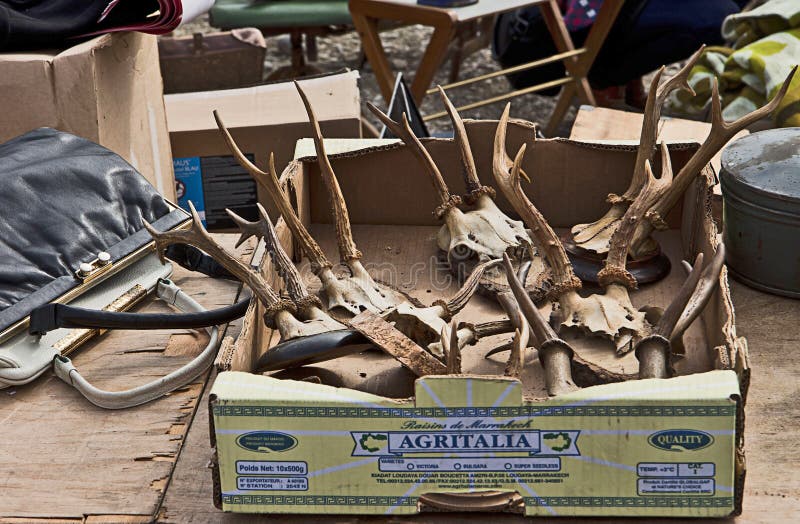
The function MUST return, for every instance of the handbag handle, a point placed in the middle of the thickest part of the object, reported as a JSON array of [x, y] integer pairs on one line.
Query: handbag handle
[[53, 316], [173, 295]]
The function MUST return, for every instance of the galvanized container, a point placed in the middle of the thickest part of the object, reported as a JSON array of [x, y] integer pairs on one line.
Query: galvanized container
[[761, 210]]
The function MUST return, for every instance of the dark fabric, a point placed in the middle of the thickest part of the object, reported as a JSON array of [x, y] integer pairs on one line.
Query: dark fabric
[[36, 24], [64, 199], [61, 285], [646, 35]]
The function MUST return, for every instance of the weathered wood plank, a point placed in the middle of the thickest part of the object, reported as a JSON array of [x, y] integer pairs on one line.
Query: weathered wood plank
[[63, 458]]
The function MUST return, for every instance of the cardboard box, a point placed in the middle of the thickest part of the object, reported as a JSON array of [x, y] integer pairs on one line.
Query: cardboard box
[[107, 90], [358, 444], [264, 119], [212, 61]]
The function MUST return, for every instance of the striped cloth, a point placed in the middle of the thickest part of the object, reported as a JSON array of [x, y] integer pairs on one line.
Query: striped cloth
[[766, 48]]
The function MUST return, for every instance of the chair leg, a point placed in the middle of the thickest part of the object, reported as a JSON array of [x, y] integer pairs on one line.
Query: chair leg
[[311, 47], [455, 60], [298, 56]]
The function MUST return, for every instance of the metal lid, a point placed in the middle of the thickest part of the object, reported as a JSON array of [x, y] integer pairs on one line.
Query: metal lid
[[765, 165]]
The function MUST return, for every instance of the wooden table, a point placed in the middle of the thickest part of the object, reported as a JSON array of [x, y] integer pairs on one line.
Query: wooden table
[[63, 460], [367, 15]]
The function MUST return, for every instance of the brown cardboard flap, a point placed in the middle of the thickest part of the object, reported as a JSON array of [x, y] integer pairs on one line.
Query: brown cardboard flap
[[401, 193], [107, 90]]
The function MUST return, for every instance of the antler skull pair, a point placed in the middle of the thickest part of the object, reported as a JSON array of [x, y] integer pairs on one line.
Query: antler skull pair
[[611, 314], [347, 296], [481, 233]]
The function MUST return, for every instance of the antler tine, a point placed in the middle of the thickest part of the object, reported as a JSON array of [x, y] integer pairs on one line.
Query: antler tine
[[344, 233], [283, 264], [446, 200], [470, 286], [615, 271], [501, 162], [247, 229], [720, 134], [451, 348], [672, 314], [555, 355], [656, 98], [563, 277], [269, 181], [470, 172], [709, 280], [198, 237], [516, 360], [542, 330]]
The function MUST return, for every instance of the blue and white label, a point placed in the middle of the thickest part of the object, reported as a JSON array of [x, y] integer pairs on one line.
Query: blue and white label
[[189, 184], [529, 442], [272, 483], [673, 486]]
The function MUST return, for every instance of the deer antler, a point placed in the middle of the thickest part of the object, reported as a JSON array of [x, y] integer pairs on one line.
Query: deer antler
[[469, 172], [720, 134], [595, 236], [263, 228], [344, 233], [308, 306], [451, 349], [562, 278], [269, 181], [380, 296], [345, 296], [496, 223], [279, 314], [424, 324], [655, 350], [198, 237], [611, 314], [446, 201], [483, 233], [555, 355]]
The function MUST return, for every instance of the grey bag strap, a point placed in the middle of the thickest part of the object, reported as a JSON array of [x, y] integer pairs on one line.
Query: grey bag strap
[[171, 294]]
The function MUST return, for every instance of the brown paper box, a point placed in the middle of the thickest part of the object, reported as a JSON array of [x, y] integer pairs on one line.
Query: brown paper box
[[107, 90], [390, 202], [263, 119]]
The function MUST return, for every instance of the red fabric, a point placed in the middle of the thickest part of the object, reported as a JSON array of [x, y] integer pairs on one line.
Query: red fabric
[[167, 19], [579, 13]]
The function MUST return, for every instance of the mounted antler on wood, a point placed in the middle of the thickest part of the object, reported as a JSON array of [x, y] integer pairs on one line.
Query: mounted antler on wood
[[596, 237], [609, 315]]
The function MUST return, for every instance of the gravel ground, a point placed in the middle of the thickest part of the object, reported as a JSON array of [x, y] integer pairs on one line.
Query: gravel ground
[[404, 48]]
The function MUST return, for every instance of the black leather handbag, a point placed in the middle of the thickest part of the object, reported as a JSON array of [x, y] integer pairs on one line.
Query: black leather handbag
[[74, 254]]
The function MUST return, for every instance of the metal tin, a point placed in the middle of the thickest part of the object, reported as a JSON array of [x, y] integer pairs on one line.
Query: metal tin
[[760, 180]]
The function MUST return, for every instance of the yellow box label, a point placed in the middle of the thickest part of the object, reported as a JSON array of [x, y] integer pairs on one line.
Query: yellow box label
[[656, 447]]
